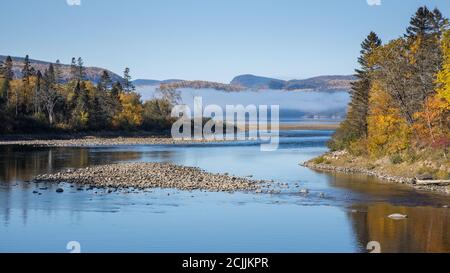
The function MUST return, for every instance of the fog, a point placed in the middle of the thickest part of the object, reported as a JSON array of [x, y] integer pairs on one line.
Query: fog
[[293, 104]]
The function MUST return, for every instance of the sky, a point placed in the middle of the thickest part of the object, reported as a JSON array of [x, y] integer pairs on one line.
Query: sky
[[211, 40]]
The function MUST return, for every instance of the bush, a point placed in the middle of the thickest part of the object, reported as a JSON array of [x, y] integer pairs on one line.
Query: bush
[[319, 160], [396, 159]]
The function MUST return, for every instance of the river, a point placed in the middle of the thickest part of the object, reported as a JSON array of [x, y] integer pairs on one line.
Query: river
[[341, 213]]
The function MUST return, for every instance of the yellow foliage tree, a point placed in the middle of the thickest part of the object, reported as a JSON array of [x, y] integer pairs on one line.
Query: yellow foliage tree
[[130, 115], [388, 132], [433, 122]]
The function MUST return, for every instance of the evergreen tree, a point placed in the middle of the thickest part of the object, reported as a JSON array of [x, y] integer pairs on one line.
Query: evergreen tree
[[80, 114], [355, 125], [420, 24], [439, 22], [58, 72], [105, 80], [27, 70], [73, 69], [127, 83], [7, 76], [81, 70]]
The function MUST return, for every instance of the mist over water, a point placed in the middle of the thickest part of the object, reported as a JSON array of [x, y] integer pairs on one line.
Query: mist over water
[[294, 105]]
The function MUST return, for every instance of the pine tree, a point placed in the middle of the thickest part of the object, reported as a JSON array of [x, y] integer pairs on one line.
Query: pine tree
[[27, 70], [73, 69], [81, 70], [355, 125], [438, 22], [58, 72], [420, 24], [7, 75], [105, 80], [127, 83]]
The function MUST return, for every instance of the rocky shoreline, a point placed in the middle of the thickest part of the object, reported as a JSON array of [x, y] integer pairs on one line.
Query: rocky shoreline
[[102, 141], [152, 175], [374, 173]]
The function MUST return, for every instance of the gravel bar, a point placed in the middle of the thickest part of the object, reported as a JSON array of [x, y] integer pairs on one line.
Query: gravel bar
[[152, 175]]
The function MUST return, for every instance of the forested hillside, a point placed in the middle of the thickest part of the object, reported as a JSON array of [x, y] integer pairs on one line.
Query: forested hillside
[[47, 97], [400, 105]]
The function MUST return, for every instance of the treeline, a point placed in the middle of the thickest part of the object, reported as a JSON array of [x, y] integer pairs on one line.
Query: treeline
[[400, 104], [43, 100]]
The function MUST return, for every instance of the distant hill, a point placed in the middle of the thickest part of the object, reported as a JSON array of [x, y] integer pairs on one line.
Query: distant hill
[[144, 82], [257, 82], [92, 73], [321, 83]]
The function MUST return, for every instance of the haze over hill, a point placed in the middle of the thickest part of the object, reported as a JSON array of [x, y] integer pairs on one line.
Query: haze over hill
[[328, 83]]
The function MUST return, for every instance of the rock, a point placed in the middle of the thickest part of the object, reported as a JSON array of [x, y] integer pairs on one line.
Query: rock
[[424, 177], [59, 190], [398, 216], [304, 191]]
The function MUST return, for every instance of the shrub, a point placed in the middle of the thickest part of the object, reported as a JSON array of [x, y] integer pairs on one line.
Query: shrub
[[319, 160], [396, 159]]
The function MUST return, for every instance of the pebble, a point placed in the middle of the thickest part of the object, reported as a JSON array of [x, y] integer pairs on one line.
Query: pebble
[[99, 141], [146, 175], [59, 190]]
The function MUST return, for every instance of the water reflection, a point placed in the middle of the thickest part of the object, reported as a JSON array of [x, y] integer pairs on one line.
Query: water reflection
[[426, 229], [20, 163], [353, 212]]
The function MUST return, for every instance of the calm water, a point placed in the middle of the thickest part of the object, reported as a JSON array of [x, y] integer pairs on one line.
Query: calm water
[[353, 212]]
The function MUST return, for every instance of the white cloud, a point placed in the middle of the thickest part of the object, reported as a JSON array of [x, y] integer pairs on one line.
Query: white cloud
[[73, 2], [374, 2]]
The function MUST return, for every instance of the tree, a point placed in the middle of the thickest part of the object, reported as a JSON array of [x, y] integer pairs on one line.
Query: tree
[[421, 23], [130, 116], [156, 115], [7, 76], [105, 80], [80, 114], [439, 22], [27, 70], [103, 105], [127, 83], [49, 95], [81, 70], [388, 131], [73, 69], [58, 72], [355, 125]]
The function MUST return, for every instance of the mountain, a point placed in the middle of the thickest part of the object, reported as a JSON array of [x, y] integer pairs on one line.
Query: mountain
[[321, 83], [92, 73], [144, 82], [257, 82]]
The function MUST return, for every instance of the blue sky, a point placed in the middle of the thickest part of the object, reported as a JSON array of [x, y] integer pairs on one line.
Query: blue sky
[[204, 39]]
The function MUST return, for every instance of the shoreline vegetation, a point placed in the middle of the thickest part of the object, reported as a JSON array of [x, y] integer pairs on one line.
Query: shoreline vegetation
[[383, 169], [398, 123]]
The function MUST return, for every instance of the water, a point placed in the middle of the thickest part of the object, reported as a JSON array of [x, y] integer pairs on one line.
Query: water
[[353, 212]]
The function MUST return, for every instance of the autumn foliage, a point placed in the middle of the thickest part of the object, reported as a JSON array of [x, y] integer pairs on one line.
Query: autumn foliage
[[404, 98]]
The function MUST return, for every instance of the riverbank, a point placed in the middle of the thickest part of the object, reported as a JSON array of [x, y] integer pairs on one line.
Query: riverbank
[[152, 175], [86, 141], [383, 169]]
